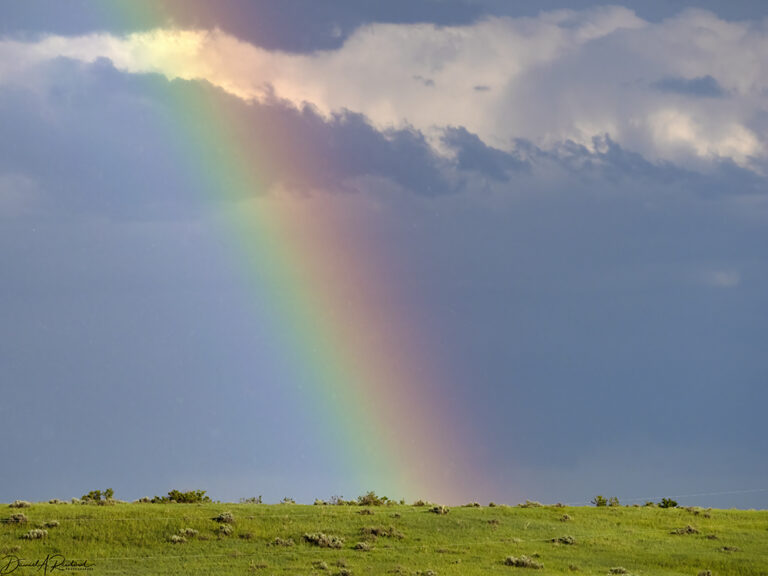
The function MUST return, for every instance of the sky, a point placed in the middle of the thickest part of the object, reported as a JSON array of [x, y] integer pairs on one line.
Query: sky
[[457, 250]]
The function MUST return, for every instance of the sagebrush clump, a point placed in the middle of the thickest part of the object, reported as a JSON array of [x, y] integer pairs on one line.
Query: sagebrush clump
[[188, 532], [35, 534], [20, 504], [380, 531], [687, 530], [19, 518], [225, 518], [440, 509], [523, 562], [282, 542], [324, 540]]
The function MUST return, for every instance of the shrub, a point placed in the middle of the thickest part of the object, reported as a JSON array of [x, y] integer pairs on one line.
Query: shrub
[[705, 573], [491, 504], [565, 518], [600, 500], [667, 503], [371, 499], [188, 532], [567, 540], [324, 540], [320, 565], [176, 539], [687, 530], [251, 500], [179, 497], [99, 497], [530, 504], [287, 500], [650, 503], [363, 546], [422, 503], [613, 501], [440, 509], [319, 502], [20, 504], [472, 505], [281, 542], [225, 530], [376, 531], [618, 570], [225, 518], [19, 518], [36, 534], [143, 500], [345, 572], [523, 562], [56, 501], [51, 524], [365, 512]]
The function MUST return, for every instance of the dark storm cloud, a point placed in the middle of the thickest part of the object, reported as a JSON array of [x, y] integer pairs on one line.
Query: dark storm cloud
[[308, 25], [474, 155], [703, 86], [294, 25]]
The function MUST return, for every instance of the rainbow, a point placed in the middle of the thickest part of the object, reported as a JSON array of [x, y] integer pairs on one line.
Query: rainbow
[[335, 307]]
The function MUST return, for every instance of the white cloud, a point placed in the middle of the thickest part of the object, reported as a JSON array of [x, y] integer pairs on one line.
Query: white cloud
[[562, 75]]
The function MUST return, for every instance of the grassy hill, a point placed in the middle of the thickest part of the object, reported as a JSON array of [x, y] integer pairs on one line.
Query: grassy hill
[[143, 538]]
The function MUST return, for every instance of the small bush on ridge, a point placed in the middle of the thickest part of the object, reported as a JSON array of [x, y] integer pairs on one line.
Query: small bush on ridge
[[371, 499], [600, 500]]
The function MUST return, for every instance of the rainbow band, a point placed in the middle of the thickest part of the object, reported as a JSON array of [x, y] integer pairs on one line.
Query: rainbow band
[[334, 306]]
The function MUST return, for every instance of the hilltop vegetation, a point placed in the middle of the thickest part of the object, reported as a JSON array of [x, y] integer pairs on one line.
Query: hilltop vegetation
[[374, 536]]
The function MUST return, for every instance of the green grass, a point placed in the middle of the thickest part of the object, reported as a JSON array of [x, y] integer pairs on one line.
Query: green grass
[[135, 539]]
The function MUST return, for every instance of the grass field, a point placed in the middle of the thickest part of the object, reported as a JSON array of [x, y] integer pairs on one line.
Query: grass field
[[139, 539]]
